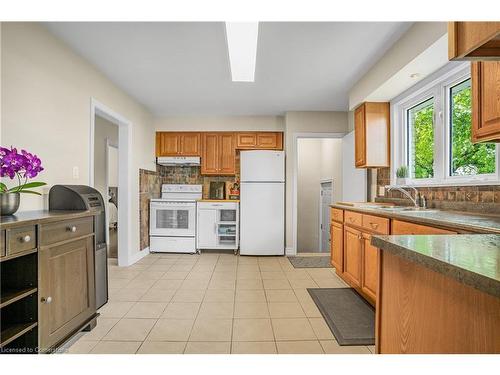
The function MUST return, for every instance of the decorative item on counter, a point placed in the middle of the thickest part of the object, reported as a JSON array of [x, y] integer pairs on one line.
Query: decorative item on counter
[[24, 166], [401, 175], [234, 191]]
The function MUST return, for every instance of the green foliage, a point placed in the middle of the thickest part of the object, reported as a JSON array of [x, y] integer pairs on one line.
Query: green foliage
[[423, 140], [468, 158], [402, 172]]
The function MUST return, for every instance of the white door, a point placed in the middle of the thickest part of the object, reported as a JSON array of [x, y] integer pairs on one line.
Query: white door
[[326, 191], [262, 219], [207, 230], [263, 166]]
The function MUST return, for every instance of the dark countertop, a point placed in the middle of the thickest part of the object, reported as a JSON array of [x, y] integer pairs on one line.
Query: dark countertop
[[40, 216], [472, 259], [454, 220]]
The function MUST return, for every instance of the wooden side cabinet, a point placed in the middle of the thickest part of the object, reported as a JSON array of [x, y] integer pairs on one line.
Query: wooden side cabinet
[[372, 135], [369, 281], [485, 101], [178, 144], [473, 40], [67, 297], [218, 154]]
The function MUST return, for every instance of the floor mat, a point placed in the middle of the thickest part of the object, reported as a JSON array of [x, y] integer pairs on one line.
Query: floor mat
[[310, 262], [350, 318]]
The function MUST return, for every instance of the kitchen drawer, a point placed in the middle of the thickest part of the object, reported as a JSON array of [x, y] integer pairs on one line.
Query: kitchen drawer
[[337, 215], [376, 224], [2, 243], [403, 227], [66, 230], [21, 239], [352, 218]]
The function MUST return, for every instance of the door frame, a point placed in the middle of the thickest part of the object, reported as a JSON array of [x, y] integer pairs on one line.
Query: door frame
[[323, 181], [295, 161], [124, 176]]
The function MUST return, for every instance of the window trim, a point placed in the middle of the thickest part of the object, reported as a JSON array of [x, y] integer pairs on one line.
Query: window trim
[[437, 86]]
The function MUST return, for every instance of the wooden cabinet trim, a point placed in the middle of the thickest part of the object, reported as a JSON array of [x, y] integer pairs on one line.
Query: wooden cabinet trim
[[485, 99], [473, 40]]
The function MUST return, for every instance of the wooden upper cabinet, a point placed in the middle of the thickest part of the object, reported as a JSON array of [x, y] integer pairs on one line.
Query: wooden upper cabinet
[[227, 154], [178, 144], [210, 153], [259, 140], [218, 154], [474, 40], [485, 101], [372, 135], [246, 140]]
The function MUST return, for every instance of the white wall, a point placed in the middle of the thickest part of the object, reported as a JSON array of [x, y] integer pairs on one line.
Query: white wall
[[220, 123], [409, 50], [305, 122], [317, 159], [47, 91]]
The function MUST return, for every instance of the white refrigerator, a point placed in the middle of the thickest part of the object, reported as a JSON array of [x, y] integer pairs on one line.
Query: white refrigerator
[[262, 203]]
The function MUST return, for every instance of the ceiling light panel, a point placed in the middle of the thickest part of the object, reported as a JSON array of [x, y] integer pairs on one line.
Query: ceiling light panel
[[242, 47]]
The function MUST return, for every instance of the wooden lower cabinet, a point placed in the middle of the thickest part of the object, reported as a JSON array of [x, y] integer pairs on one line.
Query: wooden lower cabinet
[[369, 280], [352, 256], [66, 289], [337, 247]]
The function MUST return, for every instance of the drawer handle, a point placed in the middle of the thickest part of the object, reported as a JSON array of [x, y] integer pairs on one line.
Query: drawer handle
[[46, 300], [374, 225], [72, 229], [26, 238], [352, 220]]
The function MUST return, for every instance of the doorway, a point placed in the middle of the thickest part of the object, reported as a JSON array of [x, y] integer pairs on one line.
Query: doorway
[[319, 181], [325, 200], [106, 139]]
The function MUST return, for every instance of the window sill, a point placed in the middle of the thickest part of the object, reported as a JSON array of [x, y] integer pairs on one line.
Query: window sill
[[447, 184]]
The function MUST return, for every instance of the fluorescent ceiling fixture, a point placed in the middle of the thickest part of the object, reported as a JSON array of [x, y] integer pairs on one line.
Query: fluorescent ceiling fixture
[[242, 47]]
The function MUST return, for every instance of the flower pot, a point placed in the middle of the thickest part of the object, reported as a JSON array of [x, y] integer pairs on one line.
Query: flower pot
[[401, 181], [9, 203]]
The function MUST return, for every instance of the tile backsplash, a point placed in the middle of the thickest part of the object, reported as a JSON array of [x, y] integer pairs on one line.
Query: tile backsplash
[[150, 187], [481, 198]]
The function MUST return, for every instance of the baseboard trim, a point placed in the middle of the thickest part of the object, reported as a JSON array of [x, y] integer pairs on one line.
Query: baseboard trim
[[139, 255]]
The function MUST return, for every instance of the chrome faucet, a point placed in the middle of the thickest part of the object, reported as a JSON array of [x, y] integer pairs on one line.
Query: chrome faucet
[[406, 194]]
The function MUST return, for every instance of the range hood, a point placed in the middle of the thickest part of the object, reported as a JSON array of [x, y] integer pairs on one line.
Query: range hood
[[186, 161]]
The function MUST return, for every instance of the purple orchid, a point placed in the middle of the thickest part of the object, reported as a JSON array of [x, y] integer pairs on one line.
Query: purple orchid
[[24, 165]]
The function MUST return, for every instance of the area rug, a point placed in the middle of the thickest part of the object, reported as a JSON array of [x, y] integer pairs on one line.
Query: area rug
[[310, 262], [350, 318]]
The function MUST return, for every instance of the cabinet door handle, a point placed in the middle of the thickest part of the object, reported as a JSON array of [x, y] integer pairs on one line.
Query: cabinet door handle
[[46, 300], [351, 219], [72, 229], [26, 238]]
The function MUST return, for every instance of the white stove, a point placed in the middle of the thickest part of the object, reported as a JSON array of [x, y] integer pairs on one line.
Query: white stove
[[172, 224]]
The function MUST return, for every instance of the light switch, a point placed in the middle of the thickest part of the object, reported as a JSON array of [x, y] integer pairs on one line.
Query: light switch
[[76, 173]]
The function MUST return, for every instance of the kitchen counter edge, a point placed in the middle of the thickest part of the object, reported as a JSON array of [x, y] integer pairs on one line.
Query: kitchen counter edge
[[40, 217], [449, 255]]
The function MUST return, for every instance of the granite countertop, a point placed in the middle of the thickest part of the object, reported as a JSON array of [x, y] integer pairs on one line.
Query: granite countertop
[[454, 220], [40, 216], [472, 259]]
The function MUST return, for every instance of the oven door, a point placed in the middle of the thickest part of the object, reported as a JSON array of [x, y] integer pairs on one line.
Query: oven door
[[172, 218]]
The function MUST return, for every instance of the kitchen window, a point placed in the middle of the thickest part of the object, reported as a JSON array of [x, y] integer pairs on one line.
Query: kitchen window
[[431, 126]]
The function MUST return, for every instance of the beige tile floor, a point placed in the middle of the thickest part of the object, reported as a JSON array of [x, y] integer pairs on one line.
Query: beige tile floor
[[213, 303]]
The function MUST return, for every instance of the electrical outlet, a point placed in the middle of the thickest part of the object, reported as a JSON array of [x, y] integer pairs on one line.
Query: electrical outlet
[[76, 173], [381, 191]]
